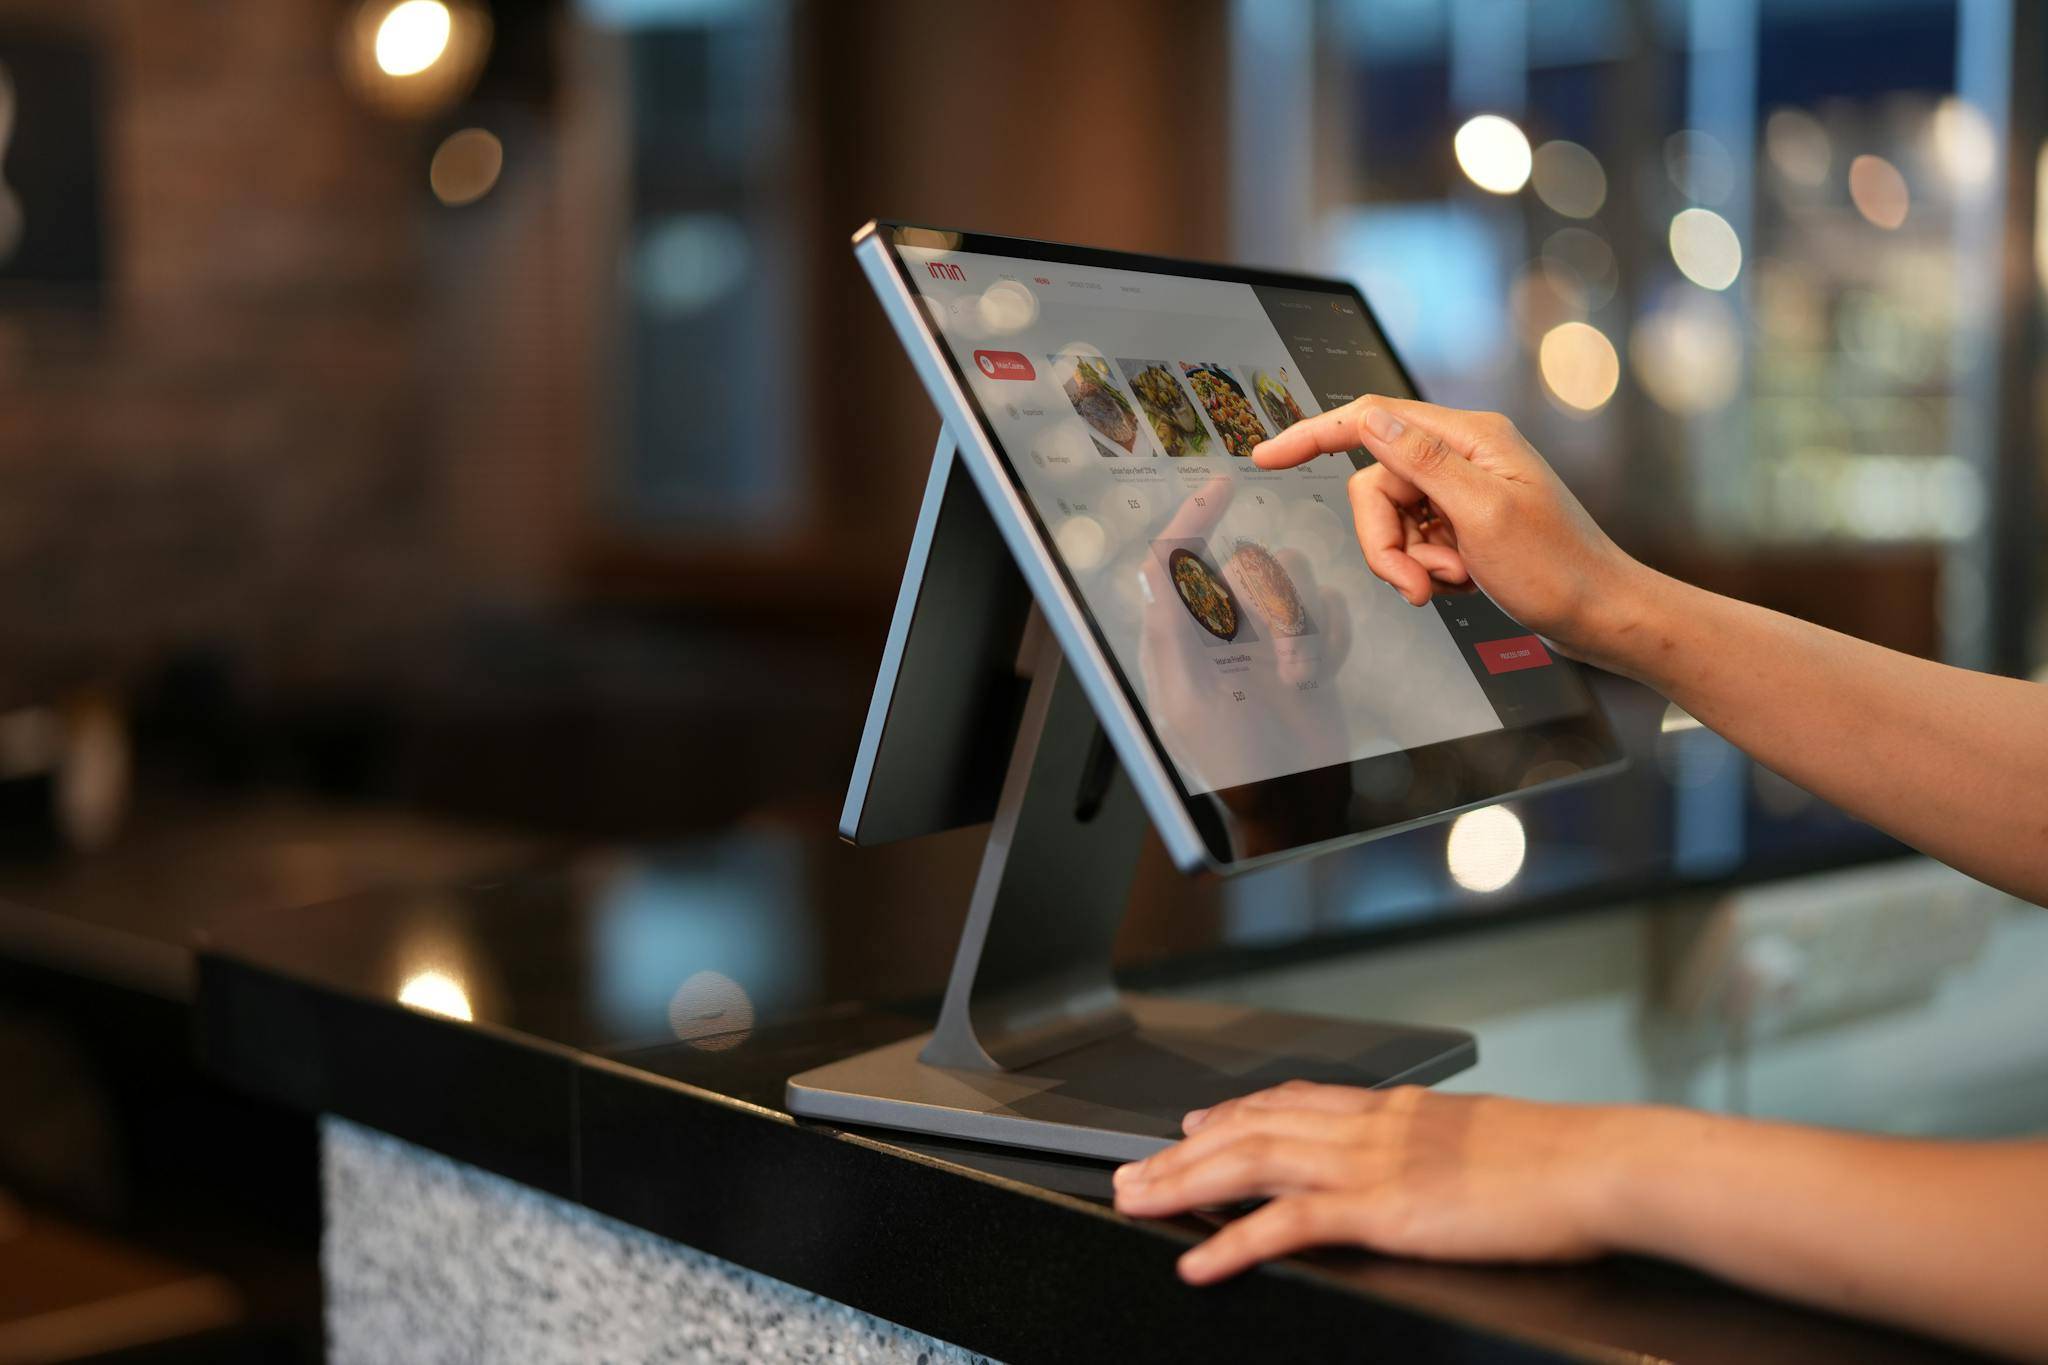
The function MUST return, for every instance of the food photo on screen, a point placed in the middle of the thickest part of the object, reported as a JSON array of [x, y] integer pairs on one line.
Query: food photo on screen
[[1223, 398], [1168, 409], [1224, 695], [1277, 398], [1092, 389], [1260, 579], [1203, 591]]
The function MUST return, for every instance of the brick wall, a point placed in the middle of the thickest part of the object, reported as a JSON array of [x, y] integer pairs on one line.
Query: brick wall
[[241, 449]]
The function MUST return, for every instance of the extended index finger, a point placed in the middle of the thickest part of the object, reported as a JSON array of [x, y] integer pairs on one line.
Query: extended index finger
[[1325, 434]]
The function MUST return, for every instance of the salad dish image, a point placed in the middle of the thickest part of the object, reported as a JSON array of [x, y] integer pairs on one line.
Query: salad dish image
[[1172, 416], [1224, 400], [1093, 391]]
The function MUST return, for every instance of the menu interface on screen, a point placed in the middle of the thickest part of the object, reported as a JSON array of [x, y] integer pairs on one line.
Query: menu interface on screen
[[1235, 599]]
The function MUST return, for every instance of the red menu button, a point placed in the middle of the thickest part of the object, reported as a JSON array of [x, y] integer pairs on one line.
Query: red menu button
[[1507, 656], [1004, 365]]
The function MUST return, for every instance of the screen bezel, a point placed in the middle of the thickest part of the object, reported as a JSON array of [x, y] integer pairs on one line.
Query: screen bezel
[[1474, 765]]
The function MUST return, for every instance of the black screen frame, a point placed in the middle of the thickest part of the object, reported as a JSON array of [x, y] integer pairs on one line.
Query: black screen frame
[[1290, 814]]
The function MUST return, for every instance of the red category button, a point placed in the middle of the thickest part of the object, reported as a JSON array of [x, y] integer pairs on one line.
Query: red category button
[[1507, 656], [1004, 365]]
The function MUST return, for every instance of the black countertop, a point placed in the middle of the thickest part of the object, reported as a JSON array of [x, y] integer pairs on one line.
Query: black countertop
[[630, 1023]]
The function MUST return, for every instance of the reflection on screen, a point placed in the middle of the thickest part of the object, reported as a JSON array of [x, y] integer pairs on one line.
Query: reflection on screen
[[1235, 599]]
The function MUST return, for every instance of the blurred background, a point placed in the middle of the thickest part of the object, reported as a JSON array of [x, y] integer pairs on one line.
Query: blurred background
[[440, 434]]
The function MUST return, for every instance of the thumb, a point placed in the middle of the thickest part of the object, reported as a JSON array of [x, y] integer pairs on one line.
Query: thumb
[[1431, 447]]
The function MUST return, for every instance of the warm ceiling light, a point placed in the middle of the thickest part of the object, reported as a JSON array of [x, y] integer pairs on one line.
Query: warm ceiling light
[[1878, 191], [415, 58], [1706, 248], [1579, 365], [412, 37], [1493, 153]]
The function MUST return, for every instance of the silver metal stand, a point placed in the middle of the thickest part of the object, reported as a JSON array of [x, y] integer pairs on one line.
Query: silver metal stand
[[1035, 1047], [1033, 983]]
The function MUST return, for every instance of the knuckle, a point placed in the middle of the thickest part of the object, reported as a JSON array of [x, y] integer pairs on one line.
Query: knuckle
[[1291, 1219], [1428, 451], [1247, 1154]]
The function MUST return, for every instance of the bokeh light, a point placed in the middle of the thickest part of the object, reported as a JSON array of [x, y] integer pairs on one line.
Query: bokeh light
[[711, 1012], [1687, 352], [412, 37], [1583, 263], [435, 992], [1569, 179], [1705, 248], [1699, 166], [2041, 214], [688, 262], [466, 166], [414, 58], [1964, 145], [1676, 720], [1879, 191], [1485, 848], [1579, 366], [1799, 147], [1493, 153], [1006, 307], [1082, 540]]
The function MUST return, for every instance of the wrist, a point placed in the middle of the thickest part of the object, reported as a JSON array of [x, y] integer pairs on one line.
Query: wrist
[[1627, 625], [1645, 1153]]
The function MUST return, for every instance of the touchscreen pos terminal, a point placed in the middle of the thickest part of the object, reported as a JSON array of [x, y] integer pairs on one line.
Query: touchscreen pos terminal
[[1110, 614]]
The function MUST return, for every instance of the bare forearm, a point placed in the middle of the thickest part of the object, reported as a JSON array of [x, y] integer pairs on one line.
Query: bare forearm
[[1953, 762], [1940, 1237]]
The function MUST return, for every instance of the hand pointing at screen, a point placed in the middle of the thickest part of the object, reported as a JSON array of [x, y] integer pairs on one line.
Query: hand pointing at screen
[[1460, 497], [1946, 759]]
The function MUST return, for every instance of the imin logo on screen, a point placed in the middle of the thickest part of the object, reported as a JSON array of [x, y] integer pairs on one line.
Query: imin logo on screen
[[945, 270]]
